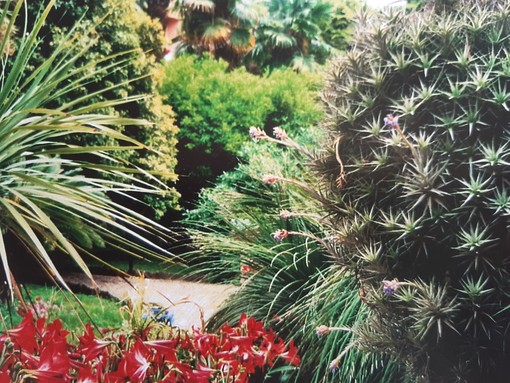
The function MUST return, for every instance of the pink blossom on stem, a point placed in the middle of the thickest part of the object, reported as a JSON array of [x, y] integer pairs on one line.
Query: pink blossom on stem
[[280, 234], [285, 214], [280, 133], [257, 134], [322, 330], [270, 179]]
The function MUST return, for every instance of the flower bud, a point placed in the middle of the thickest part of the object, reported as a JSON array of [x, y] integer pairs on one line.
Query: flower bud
[[280, 234], [322, 330]]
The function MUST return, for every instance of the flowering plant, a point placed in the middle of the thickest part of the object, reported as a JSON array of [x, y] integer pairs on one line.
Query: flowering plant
[[36, 351]]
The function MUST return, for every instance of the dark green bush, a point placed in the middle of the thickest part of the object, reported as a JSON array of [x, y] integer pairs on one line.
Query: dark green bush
[[215, 109]]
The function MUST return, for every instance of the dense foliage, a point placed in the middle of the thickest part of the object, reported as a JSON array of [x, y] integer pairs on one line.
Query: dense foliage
[[215, 109], [38, 351], [259, 34], [338, 31], [225, 29], [55, 196], [416, 179], [114, 27], [266, 236], [291, 35]]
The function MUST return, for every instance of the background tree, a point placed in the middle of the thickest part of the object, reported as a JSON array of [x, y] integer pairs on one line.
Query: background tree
[[337, 32], [223, 28], [291, 34]]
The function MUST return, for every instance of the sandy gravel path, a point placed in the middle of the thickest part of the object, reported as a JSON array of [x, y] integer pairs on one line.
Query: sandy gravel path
[[187, 301]]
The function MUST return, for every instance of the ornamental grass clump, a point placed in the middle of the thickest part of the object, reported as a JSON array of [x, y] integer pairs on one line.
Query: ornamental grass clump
[[258, 226], [417, 180]]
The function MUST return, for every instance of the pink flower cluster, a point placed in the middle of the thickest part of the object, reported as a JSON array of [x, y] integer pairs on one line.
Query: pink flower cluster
[[42, 309], [36, 351]]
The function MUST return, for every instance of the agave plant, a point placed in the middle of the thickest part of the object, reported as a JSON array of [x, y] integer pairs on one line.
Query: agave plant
[[416, 178], [54, 199]]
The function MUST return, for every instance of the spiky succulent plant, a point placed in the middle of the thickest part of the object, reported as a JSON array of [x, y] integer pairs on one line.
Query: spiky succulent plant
[[419, 176]]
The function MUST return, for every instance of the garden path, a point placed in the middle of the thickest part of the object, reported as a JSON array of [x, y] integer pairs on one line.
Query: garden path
[[190, 303]]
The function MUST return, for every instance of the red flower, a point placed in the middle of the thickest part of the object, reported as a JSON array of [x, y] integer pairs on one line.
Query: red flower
[[87, 375], [206, 344], [54, 364], [4, 377], [135, 365], [202, 375], [90, 346], [25, 334], [236, 352], [255, 328], [246, 269], [291, 356]]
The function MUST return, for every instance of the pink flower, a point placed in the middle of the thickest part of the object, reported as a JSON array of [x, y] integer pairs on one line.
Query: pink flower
[[391, 121], [280, 234], [280, 133], [322, 330], [257, 134], [334, 365], [285, 214], [390, 287], [270, 179]]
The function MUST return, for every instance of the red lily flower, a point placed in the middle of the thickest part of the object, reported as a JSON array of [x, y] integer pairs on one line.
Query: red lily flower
[[291, 356], [25, 334], [136, 364], [206, 344], [4, 377], [255, 328], [54, 364], [90, 346], [86, 375]]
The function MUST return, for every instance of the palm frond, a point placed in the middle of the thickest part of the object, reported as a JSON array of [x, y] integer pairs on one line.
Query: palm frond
[[249, 11], [216, 32], [206, 6], [241, 39], [281, 39]]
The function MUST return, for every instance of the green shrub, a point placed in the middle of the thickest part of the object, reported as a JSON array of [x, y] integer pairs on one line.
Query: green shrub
[[338, 31], [215, 109], [289, 283], [417, 180]]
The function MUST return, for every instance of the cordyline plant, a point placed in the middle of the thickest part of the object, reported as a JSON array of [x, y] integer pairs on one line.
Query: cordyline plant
[[36, 351], [54, 197], [416, 179]]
